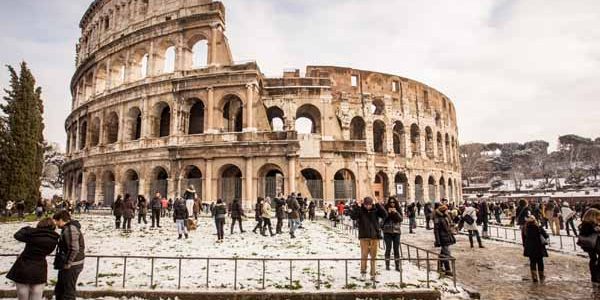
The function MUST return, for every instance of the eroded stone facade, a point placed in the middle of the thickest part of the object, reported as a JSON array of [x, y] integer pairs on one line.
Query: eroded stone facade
[[159, 104]]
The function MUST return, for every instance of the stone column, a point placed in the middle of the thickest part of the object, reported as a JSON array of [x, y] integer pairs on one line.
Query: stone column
[[208, 182], [179, 58], [146, 124], [212, 58], [250, 108], [248, 178], [151, 61], [292, 174], [83, 186], [99, 192], [121, 136], [210, 111]]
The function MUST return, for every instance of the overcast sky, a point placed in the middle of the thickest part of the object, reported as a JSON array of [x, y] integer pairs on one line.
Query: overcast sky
[[516, 70]]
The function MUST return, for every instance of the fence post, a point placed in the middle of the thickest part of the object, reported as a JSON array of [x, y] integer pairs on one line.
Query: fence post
[[235, 273], [97, 269], [318, 274], [290, 273], [454, 272], [428, 269], [263, 274], [207, 271], [179, 278], [346, 271], [151, 271], [124, 269]]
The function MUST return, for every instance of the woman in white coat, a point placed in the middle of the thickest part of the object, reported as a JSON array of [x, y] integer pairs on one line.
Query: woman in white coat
[[469, 217]]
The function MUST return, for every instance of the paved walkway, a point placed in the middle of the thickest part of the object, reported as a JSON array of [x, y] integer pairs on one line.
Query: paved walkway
[[499, 270]]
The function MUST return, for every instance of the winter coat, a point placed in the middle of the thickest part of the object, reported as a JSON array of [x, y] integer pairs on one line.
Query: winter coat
[[31, 266], [280, 208], [118, 208], [588, 237], [156, 203], [411, 212], [220, 211], [533, 247], [393, 223], [294, 207], [189, 194], [522, 214], [164, 203], [196, 207], [128, 209], [368, 220], [266, 210], [142, 206], [484, 212], [236, 210], [257, 210], [442, 229], [567, 213], [72, 244], [471, 211], [180, 210]]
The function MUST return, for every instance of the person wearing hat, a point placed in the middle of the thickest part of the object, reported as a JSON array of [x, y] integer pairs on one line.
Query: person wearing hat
[[189, 195], [569, 216], [444, 237], [367, 213], [534, 244]]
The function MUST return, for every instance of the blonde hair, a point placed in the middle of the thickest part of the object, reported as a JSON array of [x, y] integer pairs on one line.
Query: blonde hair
[[591, 216]]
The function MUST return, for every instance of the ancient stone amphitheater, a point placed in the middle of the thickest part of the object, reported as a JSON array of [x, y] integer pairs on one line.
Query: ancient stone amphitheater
[[159, 104]]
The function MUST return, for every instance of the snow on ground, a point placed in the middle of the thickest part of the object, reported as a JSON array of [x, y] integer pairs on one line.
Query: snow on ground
[[316, 240]]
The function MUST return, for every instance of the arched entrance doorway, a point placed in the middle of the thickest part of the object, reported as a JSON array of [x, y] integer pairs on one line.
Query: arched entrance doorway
[[160, 181], [230, 183], [344, 185], [401, 182], [380, 186], [132, 184], [271, 181], [419, 192], [108, 188], [314, 183]]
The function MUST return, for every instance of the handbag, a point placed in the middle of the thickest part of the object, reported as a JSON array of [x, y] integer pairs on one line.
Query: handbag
[[544, 240], [468, 219], [60, 259]]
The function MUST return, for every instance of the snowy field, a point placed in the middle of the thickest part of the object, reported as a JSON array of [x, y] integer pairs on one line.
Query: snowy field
[[316, 240]]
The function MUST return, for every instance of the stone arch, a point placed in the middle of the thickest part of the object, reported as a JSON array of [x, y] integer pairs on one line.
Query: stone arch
[[378, 107], [419, 191], [88, 87], [448, 153], [314, 183], [379, 139], [169, 60], [402, 184], [415, 140], [429, 142], [450, 190], [200, 54], [399, 139], [230, 183], [133, 125], [271, 180], [357, 129], [380, 186], [101, 78], [438, 119], [344, 184], [160, 181], [108, 187], [117, 71], [431, 188], [312, 113], [276, 118], [440, 147], [196, 52], [131, 183], [82, 135], [112, 128], [91, 188], [442, 187], [139, 63], [454, 151], [95, 132], [161, 119], [196, 117], [191, 175], [233, 113]]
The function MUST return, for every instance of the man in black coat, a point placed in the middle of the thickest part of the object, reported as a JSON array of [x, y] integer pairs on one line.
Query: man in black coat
[[367, 214], [444, 236], [258, 214], [279, 213], [236, 213], [70, 256], [156, 206]]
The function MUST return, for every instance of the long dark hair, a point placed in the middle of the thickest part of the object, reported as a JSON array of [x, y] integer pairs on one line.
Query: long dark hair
[[393, 217]]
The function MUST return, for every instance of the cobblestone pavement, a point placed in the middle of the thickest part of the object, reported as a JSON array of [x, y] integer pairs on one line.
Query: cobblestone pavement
[[500, 271]]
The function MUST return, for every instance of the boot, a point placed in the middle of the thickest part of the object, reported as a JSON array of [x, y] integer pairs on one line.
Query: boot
[[534, 276], [542, 277], [387, 264], [179, 237], [398, 266], [186, 235], [471, 239]]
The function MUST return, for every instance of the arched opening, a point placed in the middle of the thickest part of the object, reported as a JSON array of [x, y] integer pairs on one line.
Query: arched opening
[[379, 137], [429, 142], [95, 134], [169, 60], [419, 193], [112, 128], [271, 181], [143, 67], [193, 177], [91, 188], [78, 185], [276, 117], [401, 182], [117, 72], [89, 85], [314, 183], [454, 155], [101, 79], [196, 123], [82, 135], [442, 186], [415, 140], [431, 189], [357, 129], [450, 190], [344, 185], [438, 119], [448, 153], [233, 114], [378, 107], [131, 184], [108, 188], [308, 115], [200, 54], [440, 147], [161, 120], [399, 139], [230, 186], [134, 124], [160, 181], [380, 186]]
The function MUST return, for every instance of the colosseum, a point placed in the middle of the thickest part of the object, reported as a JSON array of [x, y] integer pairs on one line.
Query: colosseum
[[158, 104]]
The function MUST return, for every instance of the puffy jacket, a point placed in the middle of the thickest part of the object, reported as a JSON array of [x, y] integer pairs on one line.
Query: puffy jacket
[[266, 210], [533, 246], [258, 210], [156, 203], [567, 213], [128, 209], [220, 211], [142, 206], [71, 243], [471, 211], [280, 208], [236, 210], [179, 210], [189, 194], [442, 229], [31, 267], [294, 207], [393, 223], [588, 237], [368, 220], [118, 208]]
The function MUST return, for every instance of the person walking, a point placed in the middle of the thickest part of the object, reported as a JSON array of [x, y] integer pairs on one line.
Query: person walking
[[535, 248], [428, 215], [197, 208], [569, 216], [367, 214], [70, 255], [128, 213], [164, 204], [444, 236], [267, 214], [469, 217], [589, 231], [311, 210], [257, 214], [279, 213], [411, 213], [236, 213], [220, 212], [30, 270], [180, 216], [391, 232], [156, 207], [552, 212], [293, 215], [117, 208], [189, 195], [142, 206], [170, 206], [484, 216], [39, 209]]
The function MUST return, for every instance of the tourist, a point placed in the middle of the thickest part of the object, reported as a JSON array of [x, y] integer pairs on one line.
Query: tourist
[[293, 210], [266, 216], [552, 212], [189, 195], [535, 247], [164, 204], [156, 206], [169, 206], [419, 207], [444, 236], [197, 208], [128, 212], [483, 218], [302, 210], [180, 216], [142, 207], [522, 213], [367, 215], [117, 209], [257, 214], [341, 209], [39, 209], [428, 215], [70, 255], [236, 212], [333, 216], [279, 213], [311, 210], [569, 216], [21, 209], [589, 231], [411, 213], [391, 232], [497, 213], [220, 212], [30, 270], [469, 217], [9, 208]]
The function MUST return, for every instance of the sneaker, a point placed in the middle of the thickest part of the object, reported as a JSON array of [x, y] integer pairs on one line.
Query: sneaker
[[186, 235], [363, 276], [374, 278]]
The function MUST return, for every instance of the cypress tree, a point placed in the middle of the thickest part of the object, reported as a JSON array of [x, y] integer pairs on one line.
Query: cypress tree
[[23, 136]]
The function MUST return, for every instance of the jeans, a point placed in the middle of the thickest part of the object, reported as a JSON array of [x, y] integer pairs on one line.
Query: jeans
[[126, 223], [239, 220], [392, 240], [30, 291], [259, 221], [445, 253], [142, 217], [294, 223], [67, 283], [594, 266], [156, 216], [266, 223], [570, 223], [536, 262], [279, 225], [368, 247], [181, 229], [476, 232], [220, 222]]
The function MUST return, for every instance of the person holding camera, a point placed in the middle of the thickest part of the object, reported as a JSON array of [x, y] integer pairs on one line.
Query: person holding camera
[[391, 232], [444, 235], [367, 214]]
